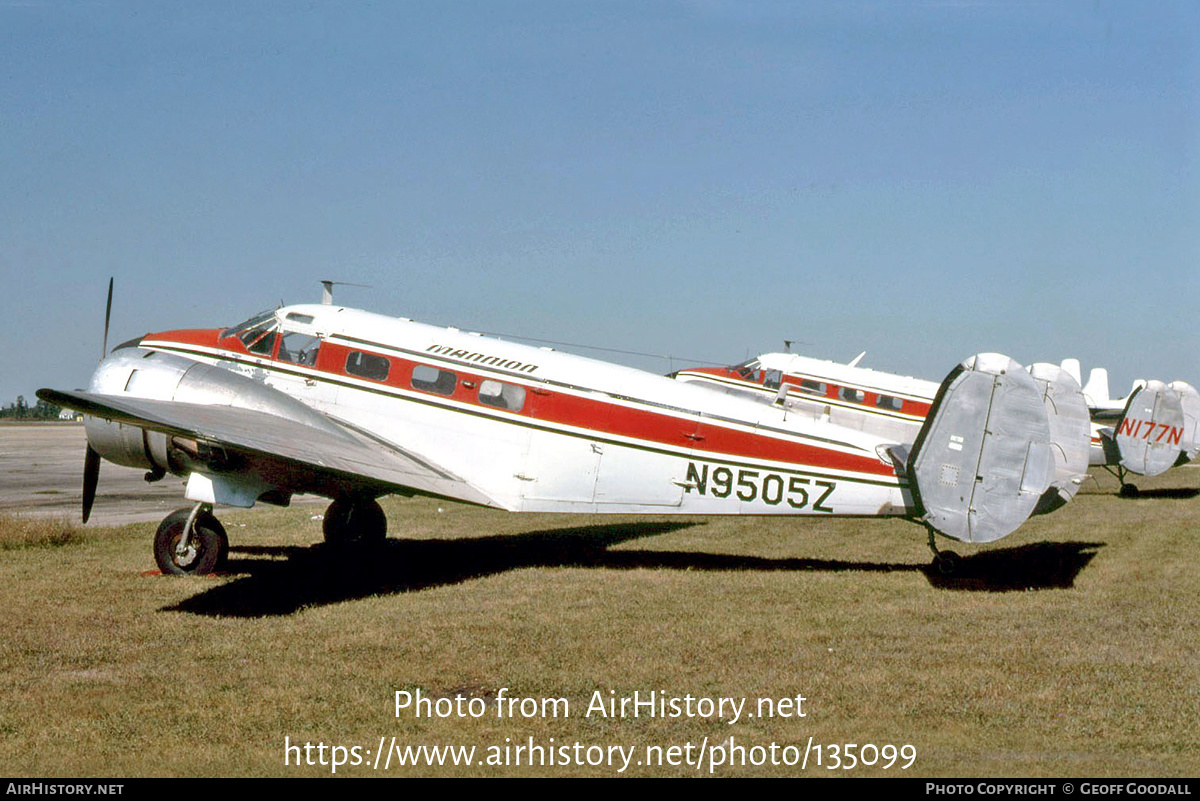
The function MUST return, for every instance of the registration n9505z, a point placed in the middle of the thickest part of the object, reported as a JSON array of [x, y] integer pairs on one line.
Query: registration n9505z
[[750, 485]]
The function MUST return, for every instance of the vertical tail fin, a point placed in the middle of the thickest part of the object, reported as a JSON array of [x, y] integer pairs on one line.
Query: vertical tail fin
[[1072, 368], [1096, 389]]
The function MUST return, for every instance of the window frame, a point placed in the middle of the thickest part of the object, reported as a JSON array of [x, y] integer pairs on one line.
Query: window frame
[[512, 396], [374, 358], [438, 385]]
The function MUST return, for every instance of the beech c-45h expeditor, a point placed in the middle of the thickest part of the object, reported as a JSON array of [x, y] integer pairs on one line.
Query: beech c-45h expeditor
[[353, 406]]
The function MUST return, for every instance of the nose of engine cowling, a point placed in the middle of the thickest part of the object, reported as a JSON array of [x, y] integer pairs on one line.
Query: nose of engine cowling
[[140, 373], [113, 373], [133, 372]]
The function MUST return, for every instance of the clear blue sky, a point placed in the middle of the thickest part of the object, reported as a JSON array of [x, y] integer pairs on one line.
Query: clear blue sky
[[923, 180]]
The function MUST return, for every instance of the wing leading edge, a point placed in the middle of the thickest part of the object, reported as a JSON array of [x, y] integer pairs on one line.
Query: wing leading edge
[[277, 448]]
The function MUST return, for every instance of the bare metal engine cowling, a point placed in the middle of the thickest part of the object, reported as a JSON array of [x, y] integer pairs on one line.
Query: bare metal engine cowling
[[141, 373]]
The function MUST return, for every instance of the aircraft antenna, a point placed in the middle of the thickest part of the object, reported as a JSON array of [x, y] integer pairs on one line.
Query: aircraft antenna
[[787, 344], [327, 290]]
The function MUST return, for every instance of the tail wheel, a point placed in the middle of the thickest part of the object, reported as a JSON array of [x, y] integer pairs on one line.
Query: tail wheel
[[355, 521], [207, 547], [946, 562]]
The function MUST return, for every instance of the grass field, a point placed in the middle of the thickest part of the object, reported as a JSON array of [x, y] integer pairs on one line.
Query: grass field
[[1071, 648]]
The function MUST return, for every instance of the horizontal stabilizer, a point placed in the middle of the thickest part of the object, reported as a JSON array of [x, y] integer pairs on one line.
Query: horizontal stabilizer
[[984, 457], [1149, 437], [1070, 432]]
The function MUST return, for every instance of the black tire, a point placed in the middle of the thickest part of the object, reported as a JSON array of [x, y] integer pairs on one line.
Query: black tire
[[1128, 491], [946, 562], [354, 521], [209, 545]]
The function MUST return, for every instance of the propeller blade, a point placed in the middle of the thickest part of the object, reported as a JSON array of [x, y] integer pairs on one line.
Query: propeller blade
[[91, 475], [91, 459], [107, 315]]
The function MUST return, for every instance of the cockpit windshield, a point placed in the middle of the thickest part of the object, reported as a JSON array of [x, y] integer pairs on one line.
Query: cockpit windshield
[[747, 369], [253, 322], [258, 333]]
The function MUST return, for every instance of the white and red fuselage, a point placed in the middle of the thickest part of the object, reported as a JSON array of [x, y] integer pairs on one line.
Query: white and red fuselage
[[888, 404], [894, 406], [534, 429]]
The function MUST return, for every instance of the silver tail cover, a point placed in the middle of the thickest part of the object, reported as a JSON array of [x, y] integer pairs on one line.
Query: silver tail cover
[[1149, 437], [984, 457], [1070, 433], [1189, 399]]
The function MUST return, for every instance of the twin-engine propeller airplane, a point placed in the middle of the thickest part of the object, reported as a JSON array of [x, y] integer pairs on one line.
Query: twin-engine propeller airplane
[[1150, 430], [352, 406]]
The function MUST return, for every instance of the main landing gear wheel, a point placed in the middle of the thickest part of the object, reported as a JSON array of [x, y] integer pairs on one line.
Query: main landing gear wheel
[[355, 521], [1128, 491], [203, 551]]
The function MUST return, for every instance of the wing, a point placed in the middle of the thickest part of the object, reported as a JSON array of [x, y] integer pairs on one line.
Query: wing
[[294, 455]]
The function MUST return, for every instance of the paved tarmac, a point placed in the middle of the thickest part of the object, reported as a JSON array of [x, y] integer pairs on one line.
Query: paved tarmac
[[41, 473]]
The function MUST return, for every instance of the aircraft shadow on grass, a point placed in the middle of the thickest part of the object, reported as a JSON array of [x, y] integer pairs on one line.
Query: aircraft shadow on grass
[[1173, 493], [318, 575]]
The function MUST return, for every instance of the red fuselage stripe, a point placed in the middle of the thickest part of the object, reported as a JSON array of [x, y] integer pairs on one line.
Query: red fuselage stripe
[[567, 409]]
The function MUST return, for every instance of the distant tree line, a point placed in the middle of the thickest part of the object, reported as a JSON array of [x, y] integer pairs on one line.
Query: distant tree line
[[23, 411]]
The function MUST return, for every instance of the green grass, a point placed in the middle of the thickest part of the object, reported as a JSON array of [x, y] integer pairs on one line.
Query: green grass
[[37, 532], [1067, 649]]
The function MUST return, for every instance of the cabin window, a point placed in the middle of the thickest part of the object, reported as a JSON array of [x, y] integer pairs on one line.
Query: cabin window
[[431, 379], [888, 402], [851, 394], [502, 396], [773, 379], [303, 319], [299, 348], [812, 387], [368, 365]]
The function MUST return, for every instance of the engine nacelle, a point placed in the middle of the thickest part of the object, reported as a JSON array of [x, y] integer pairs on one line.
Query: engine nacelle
[[128, 445], [155, 375]]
